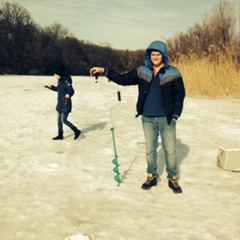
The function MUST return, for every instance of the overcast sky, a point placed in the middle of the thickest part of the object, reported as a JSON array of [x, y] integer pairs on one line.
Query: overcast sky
[[124, 24]]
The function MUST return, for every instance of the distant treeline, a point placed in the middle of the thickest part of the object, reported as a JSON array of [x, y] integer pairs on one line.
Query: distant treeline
[[26, 48]]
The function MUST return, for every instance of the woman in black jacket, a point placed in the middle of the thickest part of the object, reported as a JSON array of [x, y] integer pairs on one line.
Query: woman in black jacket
[[64, 103]]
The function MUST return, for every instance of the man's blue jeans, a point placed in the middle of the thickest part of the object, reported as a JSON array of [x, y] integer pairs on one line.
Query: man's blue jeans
[[152, 128]]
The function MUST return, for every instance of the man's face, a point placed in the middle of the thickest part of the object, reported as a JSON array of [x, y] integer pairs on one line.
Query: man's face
[[156, 58]]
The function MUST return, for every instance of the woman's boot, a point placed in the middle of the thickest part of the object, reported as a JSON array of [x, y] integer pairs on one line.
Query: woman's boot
[[76, 132], [59, 136]]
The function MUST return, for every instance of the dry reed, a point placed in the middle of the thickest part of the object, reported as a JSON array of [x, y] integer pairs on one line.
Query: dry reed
[[214, 75]]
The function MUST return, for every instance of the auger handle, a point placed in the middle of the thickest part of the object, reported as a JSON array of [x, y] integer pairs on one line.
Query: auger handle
[[119, 95]]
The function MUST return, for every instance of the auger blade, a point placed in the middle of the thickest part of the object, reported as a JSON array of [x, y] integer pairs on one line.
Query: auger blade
[[115, 169], [115, 161], [117, 179]]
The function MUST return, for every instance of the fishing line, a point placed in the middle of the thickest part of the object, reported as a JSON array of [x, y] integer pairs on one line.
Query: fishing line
[[115, 159]]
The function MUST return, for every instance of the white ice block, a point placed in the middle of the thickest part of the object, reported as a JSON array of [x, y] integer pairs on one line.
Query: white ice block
[[229, 159]]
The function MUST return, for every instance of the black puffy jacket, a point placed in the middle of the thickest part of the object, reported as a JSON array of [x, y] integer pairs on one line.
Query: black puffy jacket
[[171, 89]]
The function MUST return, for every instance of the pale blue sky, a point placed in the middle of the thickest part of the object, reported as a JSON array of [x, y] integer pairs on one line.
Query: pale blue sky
[[124, 24]]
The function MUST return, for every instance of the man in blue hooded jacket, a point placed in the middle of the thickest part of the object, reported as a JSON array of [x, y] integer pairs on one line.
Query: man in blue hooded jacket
[[160, 102]]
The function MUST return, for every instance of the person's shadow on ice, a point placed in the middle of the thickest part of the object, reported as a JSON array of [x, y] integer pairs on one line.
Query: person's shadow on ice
[[90, 128], [93, 127]]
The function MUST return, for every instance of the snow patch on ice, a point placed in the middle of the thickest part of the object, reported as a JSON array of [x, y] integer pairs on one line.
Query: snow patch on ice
[[51, 167], [77, 237]]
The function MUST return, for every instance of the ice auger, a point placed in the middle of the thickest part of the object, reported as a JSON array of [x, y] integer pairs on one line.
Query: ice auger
[[115, 160]]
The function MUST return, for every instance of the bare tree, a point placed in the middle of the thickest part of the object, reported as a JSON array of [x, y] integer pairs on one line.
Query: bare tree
[[17, 34], [216, 33], [223, 22], [52, 44]]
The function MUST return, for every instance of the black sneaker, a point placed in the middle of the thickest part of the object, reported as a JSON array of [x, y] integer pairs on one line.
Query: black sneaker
[[173, 184], [150, 182]]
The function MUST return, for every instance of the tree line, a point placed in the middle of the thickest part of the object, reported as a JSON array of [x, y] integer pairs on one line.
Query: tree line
[[27, 48]]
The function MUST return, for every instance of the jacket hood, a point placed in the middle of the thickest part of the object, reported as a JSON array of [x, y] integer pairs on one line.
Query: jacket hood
[[156, 46], [60, 71]]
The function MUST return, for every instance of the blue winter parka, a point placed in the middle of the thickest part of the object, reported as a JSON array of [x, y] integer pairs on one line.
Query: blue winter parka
[[64, 105], [171, 86]]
